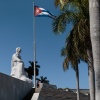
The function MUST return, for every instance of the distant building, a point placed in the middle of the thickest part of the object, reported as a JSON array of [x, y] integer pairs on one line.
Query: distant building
[[83, 91]]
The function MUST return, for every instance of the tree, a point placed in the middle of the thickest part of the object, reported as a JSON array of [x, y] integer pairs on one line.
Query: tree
[[79, 16], [73, 59], [43, 79], [83, 52], [30, 69], [94, 11]]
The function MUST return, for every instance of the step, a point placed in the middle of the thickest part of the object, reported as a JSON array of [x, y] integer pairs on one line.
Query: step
[[35, 96]]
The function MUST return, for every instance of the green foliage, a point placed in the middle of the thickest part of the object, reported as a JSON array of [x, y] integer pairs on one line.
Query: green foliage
[[30, 69], [43, 79], [75, 12]]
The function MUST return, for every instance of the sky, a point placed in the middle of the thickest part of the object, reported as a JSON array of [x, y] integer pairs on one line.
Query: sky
[[16, 30]]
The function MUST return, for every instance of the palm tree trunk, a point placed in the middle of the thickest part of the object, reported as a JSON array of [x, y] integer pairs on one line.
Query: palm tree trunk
[[94, 10], [77, 82], [91, 75]]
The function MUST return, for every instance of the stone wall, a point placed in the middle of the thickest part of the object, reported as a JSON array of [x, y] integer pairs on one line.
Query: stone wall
[[50, 92], [12, 88], [84, 91]]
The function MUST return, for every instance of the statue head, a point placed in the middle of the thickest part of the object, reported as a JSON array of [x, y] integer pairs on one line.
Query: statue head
[[18, 50]]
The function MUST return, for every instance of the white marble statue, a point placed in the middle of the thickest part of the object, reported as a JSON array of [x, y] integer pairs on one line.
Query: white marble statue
[[17, 67]]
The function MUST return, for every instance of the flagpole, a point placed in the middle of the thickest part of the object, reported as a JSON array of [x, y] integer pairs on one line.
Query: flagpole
[[34, 34]]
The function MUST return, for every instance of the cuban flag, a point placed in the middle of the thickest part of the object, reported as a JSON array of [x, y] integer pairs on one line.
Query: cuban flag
[[39, 12]]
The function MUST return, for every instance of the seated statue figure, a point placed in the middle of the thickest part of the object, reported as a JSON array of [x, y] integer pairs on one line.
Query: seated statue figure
[[17, 69]]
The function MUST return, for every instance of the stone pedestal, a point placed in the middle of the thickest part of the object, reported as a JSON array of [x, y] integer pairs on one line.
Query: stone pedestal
[[12, 88]]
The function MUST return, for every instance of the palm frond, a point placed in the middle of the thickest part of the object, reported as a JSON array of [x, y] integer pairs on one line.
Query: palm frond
[[59, 25], [78, 41], [60, 3], [66, 64]]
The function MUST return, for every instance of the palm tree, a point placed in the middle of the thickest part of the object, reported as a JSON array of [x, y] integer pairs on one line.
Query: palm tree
[[43, 79], [94, 11], [30, 69], [72, 58], [80, 32], [83, 52]]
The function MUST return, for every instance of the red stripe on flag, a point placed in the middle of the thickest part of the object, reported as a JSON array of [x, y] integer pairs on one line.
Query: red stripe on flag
[[37, 11]]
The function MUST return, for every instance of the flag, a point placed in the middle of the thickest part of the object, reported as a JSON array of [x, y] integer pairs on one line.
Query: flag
[[38, 11]]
